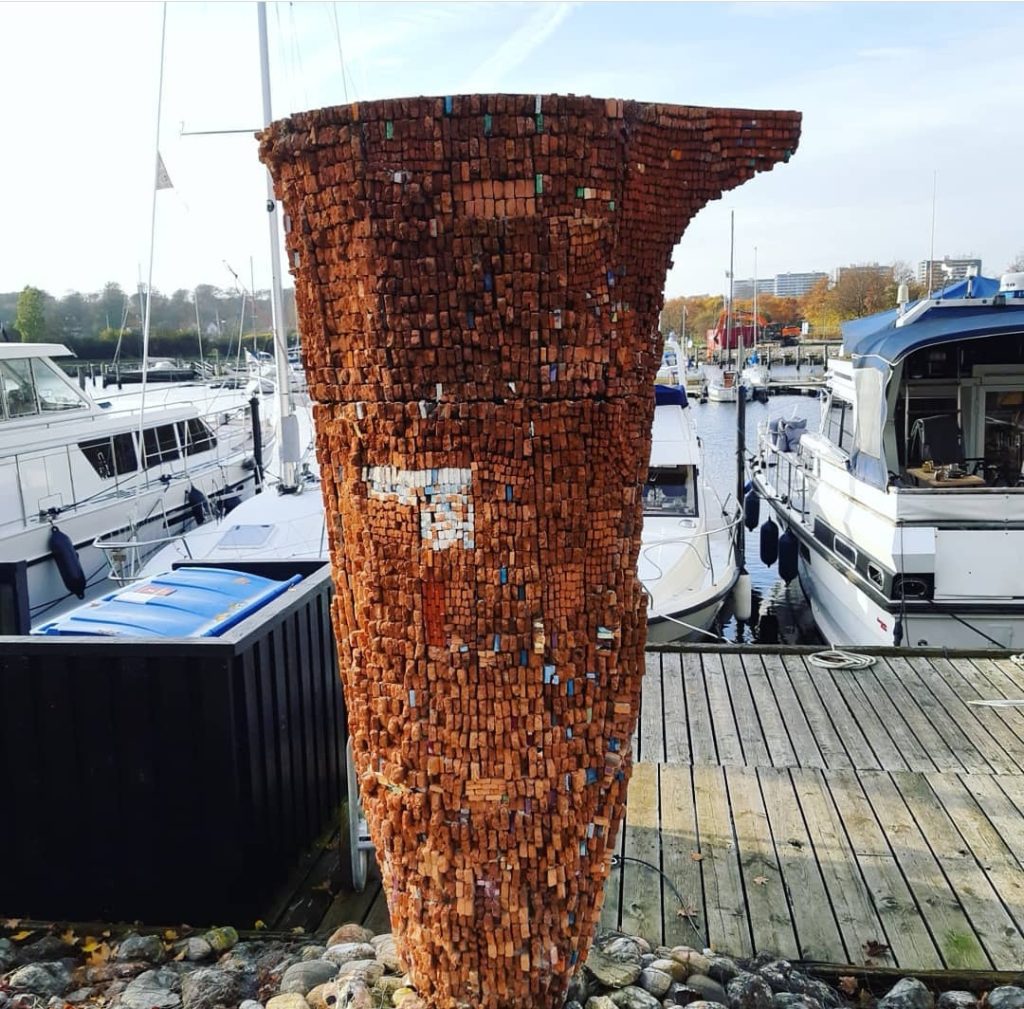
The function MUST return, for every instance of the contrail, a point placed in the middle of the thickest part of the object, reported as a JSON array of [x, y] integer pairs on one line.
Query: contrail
[[517, 47]]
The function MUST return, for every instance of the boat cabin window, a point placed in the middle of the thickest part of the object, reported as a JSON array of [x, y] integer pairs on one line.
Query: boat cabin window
[[111, 457], [161, 445], [19, 391], [838, 424], [1004, 432], [53, 390], [195, 436], [671, 491]]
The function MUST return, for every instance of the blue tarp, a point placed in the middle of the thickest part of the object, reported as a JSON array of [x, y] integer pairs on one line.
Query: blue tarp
[[669, 395]]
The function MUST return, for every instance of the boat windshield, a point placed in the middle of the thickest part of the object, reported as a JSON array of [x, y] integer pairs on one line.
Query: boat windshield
[[671, 491]]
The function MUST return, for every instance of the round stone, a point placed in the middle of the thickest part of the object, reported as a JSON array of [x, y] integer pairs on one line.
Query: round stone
[[909, 993], [343, 952], [349, 932]]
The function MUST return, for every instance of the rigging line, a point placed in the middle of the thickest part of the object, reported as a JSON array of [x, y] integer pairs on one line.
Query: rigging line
[[341, 55], [619, 859], [152, 235]]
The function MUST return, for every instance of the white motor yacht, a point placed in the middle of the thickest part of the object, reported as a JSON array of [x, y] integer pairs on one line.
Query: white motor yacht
[[904, 513], [687, 558], [72, 470], [724, 385]]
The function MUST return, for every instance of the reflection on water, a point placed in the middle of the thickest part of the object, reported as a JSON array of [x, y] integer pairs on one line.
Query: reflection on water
[[780, 613]]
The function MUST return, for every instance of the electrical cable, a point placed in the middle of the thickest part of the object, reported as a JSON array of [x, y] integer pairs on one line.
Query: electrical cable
[[617, 860]]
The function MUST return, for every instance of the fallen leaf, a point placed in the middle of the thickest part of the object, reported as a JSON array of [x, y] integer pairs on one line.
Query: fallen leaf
[[18, 936], [696, 856], [69, 938], [325, 885], [10, 922], [298, 930], [686, 912], [90, 943], [170, 934], [259, 924], [848, 985], [99, 956], [875, 948], [105, 933], [760, 880]]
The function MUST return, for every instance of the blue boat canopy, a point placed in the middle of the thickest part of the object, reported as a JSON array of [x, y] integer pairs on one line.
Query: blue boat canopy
[[971, 309], [877, 342], [669, 395]]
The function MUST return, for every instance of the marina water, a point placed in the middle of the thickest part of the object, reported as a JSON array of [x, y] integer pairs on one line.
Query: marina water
[[784, 605]]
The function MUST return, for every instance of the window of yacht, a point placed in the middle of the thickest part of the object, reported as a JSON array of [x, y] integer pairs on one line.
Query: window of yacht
[[1004, 431], [195, 436], [19, 391], [111, 456], [671, 491], [845, 550], [53, 391], [161, 445], [839, 424]]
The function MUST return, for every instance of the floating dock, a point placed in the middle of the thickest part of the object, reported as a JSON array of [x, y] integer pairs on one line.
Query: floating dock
[[869, 817]]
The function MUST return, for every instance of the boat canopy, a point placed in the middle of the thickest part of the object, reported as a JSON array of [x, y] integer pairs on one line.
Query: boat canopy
[[876, 344], [669, 395]]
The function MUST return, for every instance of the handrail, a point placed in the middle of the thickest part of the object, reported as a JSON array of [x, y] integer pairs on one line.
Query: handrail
[[688, 541]]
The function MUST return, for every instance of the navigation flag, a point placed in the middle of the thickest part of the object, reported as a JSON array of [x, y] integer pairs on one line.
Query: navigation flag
[[163, 180]]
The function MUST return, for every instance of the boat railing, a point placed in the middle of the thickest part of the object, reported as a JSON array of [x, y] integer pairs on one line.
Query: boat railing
[[693, 542], [793, 482], [127, 555]]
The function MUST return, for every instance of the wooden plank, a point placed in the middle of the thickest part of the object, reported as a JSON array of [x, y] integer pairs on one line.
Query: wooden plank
[[957, 941], [845, 723], [378, 918], [769, 913], [652, 708], [698, 712], [1013, 672], [641, 884], [1002, 812], [613, 885], [755, 749], [677, 736], [815, 925], [942, 724], [964, 718], [899, 700], [875, 729], [904, 929], [725, 908], [805, 747], [848, 891], [348, 906], [999, 685], [967, 676], [828, 742], [773, 723], [723, 721], [679, 840], [987, 917], [990, 847]]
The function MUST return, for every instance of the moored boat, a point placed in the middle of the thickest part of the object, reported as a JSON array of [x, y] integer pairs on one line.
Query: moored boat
[[905, 510], [73, 469], [687, 557]]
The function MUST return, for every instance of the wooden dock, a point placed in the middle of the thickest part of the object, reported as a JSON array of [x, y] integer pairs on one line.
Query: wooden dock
[[870, 817]]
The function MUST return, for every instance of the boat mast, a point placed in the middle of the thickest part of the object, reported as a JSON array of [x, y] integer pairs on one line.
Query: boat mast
[[288, 433], [152, 245], [741, 404], [755, 297]]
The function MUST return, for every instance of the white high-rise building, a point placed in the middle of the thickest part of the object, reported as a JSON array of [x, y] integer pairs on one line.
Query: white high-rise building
[[936, 274]]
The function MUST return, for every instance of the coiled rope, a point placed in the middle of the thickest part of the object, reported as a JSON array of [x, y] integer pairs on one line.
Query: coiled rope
[[834, 658]]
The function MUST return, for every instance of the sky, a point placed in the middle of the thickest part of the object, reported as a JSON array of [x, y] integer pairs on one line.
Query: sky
[[894, 96]]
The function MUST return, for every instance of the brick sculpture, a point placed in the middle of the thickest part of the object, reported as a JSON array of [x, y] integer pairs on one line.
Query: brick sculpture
[[478, 281]]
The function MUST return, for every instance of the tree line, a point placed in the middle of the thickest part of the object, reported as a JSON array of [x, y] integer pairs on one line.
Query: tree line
[[858, 292], [93, 325]]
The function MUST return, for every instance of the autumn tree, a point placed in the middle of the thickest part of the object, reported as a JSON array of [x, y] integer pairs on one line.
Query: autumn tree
[[31, 319], [1017, 263]]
